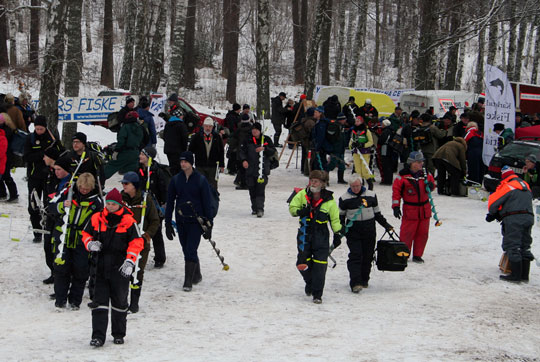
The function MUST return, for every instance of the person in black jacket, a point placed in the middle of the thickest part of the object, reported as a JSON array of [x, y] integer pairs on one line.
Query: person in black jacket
[[235, 141], [460, 129], [36, 170], [278, 116], [332, 107], [92, 162], [368, 112], [175, 136], [388, 156], [250, 153], [130, 106], [351, 110], [232, 120], [207, 146]]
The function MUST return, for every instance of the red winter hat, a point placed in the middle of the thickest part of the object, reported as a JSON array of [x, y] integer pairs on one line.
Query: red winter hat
[[505, 172], [302, 96], [114, 196], [132, 114]]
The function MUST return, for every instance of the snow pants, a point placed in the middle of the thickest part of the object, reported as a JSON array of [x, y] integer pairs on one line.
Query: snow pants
[[190, 238], [387, 170], [114, 289], [360, 166], [517, 240], [336, 159], [48, 246], [159, 245], [415, 233], [174, 162], [450, 185], [315, 255], [361, 242], [70, 278], [127, 160], [256, 192], [7, 181], [210, 174]]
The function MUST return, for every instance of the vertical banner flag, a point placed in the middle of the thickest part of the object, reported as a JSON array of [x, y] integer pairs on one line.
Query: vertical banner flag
[[500, 108]]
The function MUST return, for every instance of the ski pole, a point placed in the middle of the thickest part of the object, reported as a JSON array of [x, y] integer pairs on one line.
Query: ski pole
[[433, 210], [60, 256], [205, 225]]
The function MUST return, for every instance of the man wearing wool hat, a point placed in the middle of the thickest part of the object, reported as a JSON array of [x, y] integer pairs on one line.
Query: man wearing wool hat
[[531, 175], [91, 163]]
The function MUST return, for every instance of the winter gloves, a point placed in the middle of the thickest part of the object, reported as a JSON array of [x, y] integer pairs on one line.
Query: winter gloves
[[304, 212], [337, 240], [207, 229], [397, 212], [490, 217], [94, 245], [127, 268], [169, 231]]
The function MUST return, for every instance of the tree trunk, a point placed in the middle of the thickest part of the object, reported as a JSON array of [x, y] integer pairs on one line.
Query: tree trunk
[[12, 36], [340, 46], [262, 60], [4, 57], [88, 25], [316, 35], [424, 77], [33, 53], [74, 61], [53, 62], [355, 56], [325, 46], [189, 45], [493, 35], [129, 45], [232, 53], [173, 19], [177, 49], [297, 44], [107, 60], [519, 51], [349, 49], [304, 37], [536, 52], [511, 63], [453, 52], [479, 86], [377, 38], [397, 41], [227, 10], [157, 51], [141, 35], [460, 64]]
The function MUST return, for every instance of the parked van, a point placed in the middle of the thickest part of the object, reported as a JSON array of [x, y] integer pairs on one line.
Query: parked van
[[384, 104], [440, 100]]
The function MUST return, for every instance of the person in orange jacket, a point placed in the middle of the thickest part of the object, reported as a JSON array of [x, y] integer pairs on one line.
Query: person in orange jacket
[[410, 185], [114, 236], [511, 203]]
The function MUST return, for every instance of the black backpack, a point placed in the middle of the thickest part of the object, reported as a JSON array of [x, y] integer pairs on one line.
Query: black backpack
[[422, 135], [333, 131], [146, 135], [112, 122]]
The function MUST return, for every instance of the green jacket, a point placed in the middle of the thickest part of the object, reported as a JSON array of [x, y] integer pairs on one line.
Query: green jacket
[[325, 212], [129, 137]]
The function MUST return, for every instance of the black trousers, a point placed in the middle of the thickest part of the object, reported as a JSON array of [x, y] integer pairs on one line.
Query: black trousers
[[387, 168], [256, 192], [232, 163], [70, 277], [159, 245], [48, 246], [361, 242], [210, 174], [448, 185], [35, 215], [174, 162], [7, 181], [114, 289], [315, 255]]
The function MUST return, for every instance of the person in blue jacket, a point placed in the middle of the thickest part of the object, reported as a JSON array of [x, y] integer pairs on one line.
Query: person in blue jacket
[[144, 113], [189, 196], [318, 140]]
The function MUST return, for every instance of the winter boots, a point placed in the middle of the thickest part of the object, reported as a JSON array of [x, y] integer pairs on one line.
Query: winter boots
[[340, 179], [370, 184], [516, 275], [189, 273], [525, 268], [197, 277], [134, 304]]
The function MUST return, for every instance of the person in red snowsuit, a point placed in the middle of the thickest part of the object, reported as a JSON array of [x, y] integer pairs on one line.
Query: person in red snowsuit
[[410, 185]]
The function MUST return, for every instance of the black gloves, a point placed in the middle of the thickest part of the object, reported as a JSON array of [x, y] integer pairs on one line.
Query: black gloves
[[397, 212], [337, 240], [388, 228], [304, 212], [490, 217], [169, 231], [207, 230]]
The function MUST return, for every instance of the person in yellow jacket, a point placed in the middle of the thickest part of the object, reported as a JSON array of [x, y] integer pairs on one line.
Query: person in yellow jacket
[[316, 207], [361, 145]]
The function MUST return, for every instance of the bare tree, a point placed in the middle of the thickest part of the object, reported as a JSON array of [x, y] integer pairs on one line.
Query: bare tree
[[157, 50], [325, 44], [316, 35], [33, 53], [74, 61], [231, 19], [129, 45], [189, 45], [4, 56], [479, 85], [299, 46], [511, 63], [357, 47], [12, 35], [107, 60], [453, 52], [53, 61], [536, 52], [519, 50], [262, 60], [397, 33], [493, 35], [177, 48], [88, 25], [377, 37], [349, 49], [424, 77], [340, 46]]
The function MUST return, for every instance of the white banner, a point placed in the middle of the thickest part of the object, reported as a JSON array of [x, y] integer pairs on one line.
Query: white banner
[[500, 108]]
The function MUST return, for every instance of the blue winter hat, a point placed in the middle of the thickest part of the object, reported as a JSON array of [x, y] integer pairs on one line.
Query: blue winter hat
[[187, 156], [341, 116], [131, 177], [310, 111], [415, 156], [320, 109]]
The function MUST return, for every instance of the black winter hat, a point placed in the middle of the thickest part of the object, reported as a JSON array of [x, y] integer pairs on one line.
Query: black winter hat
[[236, 107], [64, 162], [173, 97], [79, 136], [498, 127], [54, 151], [149, 151], [415, 114], [341, 116], [187, 156], [40, 121], [282, 94], [129, 99], [258, 126], [246, 106]]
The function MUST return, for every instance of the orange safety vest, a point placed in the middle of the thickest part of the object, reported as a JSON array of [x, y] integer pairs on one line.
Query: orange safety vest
[[507, 185]]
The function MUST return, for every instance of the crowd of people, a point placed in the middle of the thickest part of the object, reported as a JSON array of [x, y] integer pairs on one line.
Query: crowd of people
[[104, 238]]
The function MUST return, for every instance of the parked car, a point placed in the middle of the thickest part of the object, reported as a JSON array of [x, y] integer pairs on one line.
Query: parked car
[[512, 155]]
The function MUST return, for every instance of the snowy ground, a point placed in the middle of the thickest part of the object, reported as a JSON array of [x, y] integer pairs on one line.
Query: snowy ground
[[453, 307]]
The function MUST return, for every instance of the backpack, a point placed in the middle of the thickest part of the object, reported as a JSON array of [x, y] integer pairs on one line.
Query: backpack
[[396, 142], [112, 122], [96, 147], [274, 160], [146, 135], [422, 135], [214, 199], [333, 131]]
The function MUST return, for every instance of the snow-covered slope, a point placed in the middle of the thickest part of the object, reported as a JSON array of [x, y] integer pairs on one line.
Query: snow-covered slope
[[453, 307]]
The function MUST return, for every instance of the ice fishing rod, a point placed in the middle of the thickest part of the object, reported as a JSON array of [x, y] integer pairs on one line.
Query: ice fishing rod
[[433, 209]]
